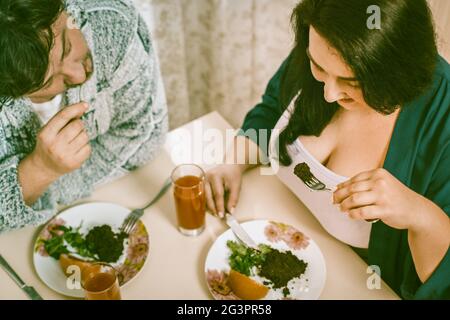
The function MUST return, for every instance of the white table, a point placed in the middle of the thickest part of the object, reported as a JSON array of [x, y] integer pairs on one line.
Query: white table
[[174, 268]]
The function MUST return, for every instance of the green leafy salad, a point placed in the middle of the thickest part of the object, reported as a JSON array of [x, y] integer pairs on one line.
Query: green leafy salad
[[101, 243]]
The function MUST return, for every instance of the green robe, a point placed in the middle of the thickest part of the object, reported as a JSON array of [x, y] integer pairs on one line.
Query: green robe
[[419, 156]]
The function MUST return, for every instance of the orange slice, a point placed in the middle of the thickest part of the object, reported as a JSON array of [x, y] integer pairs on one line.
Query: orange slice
[[66, 261], [245, 287]]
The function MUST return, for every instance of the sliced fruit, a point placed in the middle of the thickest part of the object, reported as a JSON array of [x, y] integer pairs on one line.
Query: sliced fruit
[[245, 287], [66, 261]]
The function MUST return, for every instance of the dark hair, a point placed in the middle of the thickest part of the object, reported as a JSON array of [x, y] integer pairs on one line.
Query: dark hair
[[26, 39], [393, 65]]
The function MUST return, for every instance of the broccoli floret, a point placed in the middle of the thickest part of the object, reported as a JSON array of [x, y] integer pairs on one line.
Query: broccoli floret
[[105, 243]]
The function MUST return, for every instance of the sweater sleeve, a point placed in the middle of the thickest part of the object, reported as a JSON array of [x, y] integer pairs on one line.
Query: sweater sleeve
[[136, 132], [137, 107], [14, 213], [136, 128], [265, 114]]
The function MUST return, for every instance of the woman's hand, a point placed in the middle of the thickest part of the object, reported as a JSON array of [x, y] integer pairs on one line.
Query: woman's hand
[[378, 194], [223, 180]]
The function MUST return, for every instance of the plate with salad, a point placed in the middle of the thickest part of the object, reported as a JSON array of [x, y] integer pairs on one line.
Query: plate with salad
[[85, 234], [288, 265]]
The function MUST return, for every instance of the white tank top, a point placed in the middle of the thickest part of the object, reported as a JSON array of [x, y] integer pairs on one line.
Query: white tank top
[[313, 184]]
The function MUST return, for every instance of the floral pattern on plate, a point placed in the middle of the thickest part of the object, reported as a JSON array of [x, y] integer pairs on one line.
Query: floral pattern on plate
[[218, 284], [276, 231], [136, 248], [89, 215]]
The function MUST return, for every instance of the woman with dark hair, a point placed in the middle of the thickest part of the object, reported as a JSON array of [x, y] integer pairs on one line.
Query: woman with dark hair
[[362, 136]]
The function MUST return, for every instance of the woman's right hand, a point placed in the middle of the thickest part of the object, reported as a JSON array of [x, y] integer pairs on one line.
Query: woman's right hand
[[222, 188], [62, 146]]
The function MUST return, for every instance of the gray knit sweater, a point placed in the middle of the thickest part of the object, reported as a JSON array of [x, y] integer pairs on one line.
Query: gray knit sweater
[[126, 123]]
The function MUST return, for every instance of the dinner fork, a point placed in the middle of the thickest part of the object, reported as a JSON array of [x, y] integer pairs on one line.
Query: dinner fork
[[303, 171], [315, 184], [134, 216]]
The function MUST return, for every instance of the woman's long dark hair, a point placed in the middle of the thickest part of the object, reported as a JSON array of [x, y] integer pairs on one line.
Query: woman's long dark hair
[[393, 65]]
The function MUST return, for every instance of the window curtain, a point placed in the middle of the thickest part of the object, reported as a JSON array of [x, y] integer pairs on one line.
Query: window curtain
[[218, 55]]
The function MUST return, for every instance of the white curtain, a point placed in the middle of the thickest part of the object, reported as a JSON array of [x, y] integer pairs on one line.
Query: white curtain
[[217, 54], [441, 12], [220, 54]]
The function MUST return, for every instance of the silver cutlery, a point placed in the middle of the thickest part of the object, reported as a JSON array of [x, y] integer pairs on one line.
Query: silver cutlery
[[134, 216], [315, 184], [303, 171], [239, 232], [30, 291]]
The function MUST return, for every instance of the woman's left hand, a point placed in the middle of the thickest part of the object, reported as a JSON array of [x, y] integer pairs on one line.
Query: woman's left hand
[[376, 195]]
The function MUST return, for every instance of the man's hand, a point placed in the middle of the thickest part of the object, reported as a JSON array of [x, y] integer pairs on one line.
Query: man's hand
[[62, 145]]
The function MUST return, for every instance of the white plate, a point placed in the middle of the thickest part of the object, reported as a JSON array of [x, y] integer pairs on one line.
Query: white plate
[[91, 215], [281, 237]]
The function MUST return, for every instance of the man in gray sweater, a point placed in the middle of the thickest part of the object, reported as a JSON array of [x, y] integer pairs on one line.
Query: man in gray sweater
[[81, 102]]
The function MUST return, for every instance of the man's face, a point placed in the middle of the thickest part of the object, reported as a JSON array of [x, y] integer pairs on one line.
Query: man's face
[[70, 61]]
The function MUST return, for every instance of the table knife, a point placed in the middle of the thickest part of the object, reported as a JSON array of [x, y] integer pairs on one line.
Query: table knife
[[30, 291], [239, 232]]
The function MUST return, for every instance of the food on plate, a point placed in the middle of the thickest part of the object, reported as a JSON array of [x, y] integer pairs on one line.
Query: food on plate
[[65, 261], [100, 244], [276, 267], [243, 259], [245, 287], [105, 244], [281, 267]]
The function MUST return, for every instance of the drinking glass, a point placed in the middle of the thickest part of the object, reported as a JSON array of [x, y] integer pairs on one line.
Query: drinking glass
[[190, 200], [100, 282]]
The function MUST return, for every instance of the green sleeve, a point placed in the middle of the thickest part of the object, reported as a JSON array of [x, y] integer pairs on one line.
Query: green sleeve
[[265, 115]]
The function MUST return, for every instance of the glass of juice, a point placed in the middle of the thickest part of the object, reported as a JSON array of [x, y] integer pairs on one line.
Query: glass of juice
[[100, 282], [190, 200]]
